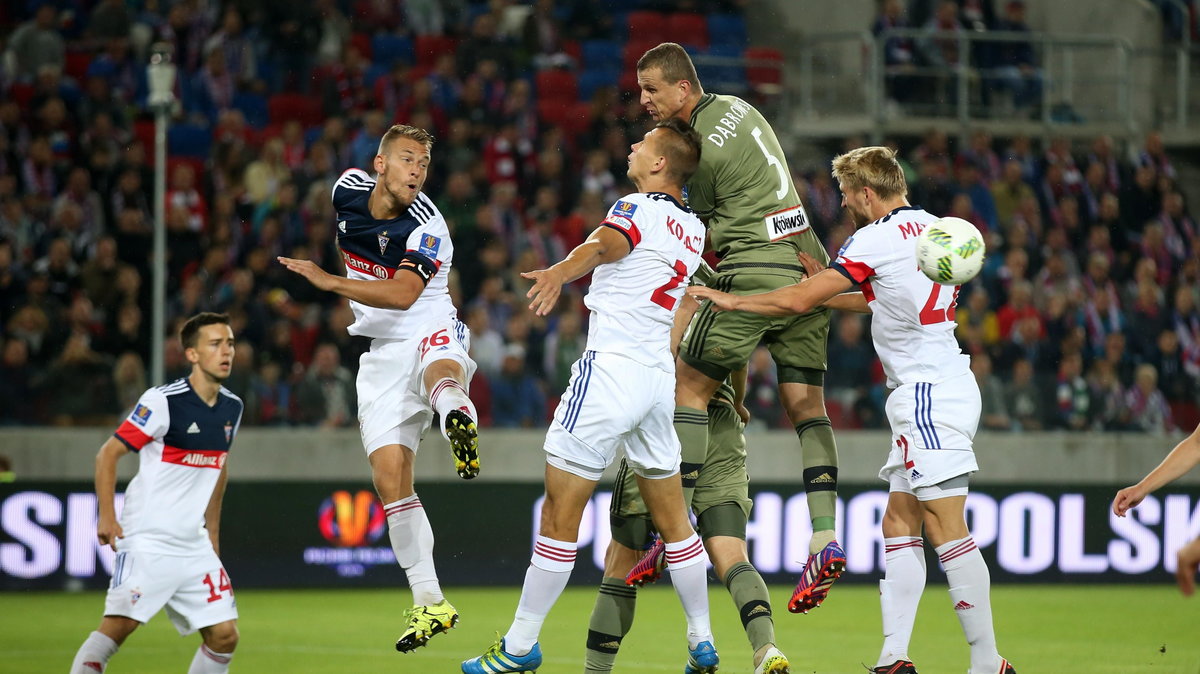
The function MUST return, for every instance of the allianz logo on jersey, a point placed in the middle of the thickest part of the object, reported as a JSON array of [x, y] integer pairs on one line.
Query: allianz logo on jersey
[[376, 270], [195, 458], [785, 223]]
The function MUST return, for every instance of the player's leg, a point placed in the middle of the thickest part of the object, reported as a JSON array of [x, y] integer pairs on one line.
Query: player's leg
[[93, 655], [216, 650], [904, 576], [799, 351], [446, 371], [612, 615], [686, 560], [569, 486], [693, 389], [966, 573]]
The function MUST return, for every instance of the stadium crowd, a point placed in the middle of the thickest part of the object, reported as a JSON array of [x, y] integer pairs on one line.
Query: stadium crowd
[[1086, 315]]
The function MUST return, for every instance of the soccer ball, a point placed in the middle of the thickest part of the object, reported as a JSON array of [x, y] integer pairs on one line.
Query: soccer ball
[[950, 251]]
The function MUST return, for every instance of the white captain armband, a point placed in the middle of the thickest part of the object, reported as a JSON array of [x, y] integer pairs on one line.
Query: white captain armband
[[419, 265]]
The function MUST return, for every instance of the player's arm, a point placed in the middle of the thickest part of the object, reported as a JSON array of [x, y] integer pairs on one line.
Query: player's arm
[[737, 379], [604, 245], [108, 529], [394, 293], [1183, 458], [683, 317], [799, 298], [845, 301], [212, 514]]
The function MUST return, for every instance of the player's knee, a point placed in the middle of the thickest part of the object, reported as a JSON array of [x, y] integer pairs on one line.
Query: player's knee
[[222, 638]]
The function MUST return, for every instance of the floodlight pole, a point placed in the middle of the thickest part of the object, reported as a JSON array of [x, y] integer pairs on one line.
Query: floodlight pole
[[161, 76]]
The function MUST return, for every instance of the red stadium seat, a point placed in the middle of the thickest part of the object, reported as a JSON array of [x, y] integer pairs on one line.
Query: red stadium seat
[[574, 117], [76, 65], [299, 107], [429, 47], [362, 42], [648, 27], [555, 84], [687, 28], [764, 67], [633, 51]]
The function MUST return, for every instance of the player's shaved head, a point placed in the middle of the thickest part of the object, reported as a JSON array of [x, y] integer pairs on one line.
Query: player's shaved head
[[875, 167], [191, 329], [673, 64], [681, 146], [405, 131]]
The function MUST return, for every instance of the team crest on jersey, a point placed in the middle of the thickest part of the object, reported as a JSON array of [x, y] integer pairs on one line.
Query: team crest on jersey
[[342, 226], [228, 431], [141, 414], [429, 246], [383, 242], [134, 595]]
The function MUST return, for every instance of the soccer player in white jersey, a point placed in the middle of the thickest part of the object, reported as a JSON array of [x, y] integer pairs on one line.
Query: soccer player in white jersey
[[398, 252], [166, 539], [933, 408], [621, 393]]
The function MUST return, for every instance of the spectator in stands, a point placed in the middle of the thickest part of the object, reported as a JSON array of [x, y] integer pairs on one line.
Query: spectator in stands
[[17, 395], [75, 382], [483, 44], [129, 373], [971, 183], [1024, 399], [994, 411], [1155, 154], [37, 43], [939, 49], [212, 89], [762, 390], [326, 396], [1147, 408], [237, 46], [1073, 409], [1017, 70], [1173, 379], [851, 362], [517, 398], [1141, 201], [264, 175]]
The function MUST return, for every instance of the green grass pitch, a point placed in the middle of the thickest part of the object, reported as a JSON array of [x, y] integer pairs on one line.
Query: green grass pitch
[[1041, 629]]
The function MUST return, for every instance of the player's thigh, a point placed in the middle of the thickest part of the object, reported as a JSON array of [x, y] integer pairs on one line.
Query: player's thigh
[[652, 446], [204, 596], [389, 412], [719, 342], [628, 517], [604, 400], [933, 429], [141, 584], [798, 347], [723, 478]]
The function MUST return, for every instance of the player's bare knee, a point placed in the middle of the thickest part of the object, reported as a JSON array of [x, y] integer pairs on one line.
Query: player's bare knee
[[221, 638], [619, 560]]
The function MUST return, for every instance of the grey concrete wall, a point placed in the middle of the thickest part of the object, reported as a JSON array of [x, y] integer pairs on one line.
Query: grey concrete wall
[[516, 456]]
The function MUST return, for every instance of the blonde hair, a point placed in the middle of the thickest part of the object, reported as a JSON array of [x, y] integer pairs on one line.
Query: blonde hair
[[875, 167], [673, 64], [405, 131]]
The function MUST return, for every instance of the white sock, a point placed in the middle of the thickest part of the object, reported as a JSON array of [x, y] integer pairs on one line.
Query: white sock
[[970, 587], [549, 570], [900, 594], [208, 661], [685, 560], [448, 395], [93, 655], [412, 541]]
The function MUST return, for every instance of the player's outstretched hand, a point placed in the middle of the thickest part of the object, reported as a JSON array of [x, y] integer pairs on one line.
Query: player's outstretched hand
[[1185, 574], [309, 270], [547, 286], [720, 301], [108, 531], [1127, 498], [812, 266]]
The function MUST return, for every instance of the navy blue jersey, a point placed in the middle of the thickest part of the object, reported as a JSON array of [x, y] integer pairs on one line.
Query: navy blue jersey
[[182, 444], [417, 241]]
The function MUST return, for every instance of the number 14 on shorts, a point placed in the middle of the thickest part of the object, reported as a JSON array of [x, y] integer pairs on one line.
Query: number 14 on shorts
[[215, 590]]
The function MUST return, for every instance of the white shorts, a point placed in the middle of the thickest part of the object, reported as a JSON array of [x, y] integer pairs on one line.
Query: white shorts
[[611, 402], [933, 427], [195, 590], [393, 406]]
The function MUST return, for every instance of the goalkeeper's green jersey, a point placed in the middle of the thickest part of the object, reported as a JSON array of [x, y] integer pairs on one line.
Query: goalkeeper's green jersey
[[743, 188]]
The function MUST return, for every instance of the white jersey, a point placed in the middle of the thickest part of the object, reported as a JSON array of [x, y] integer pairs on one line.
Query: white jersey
[[912, 322], [633, 300], [417, 241], [182, 444]]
